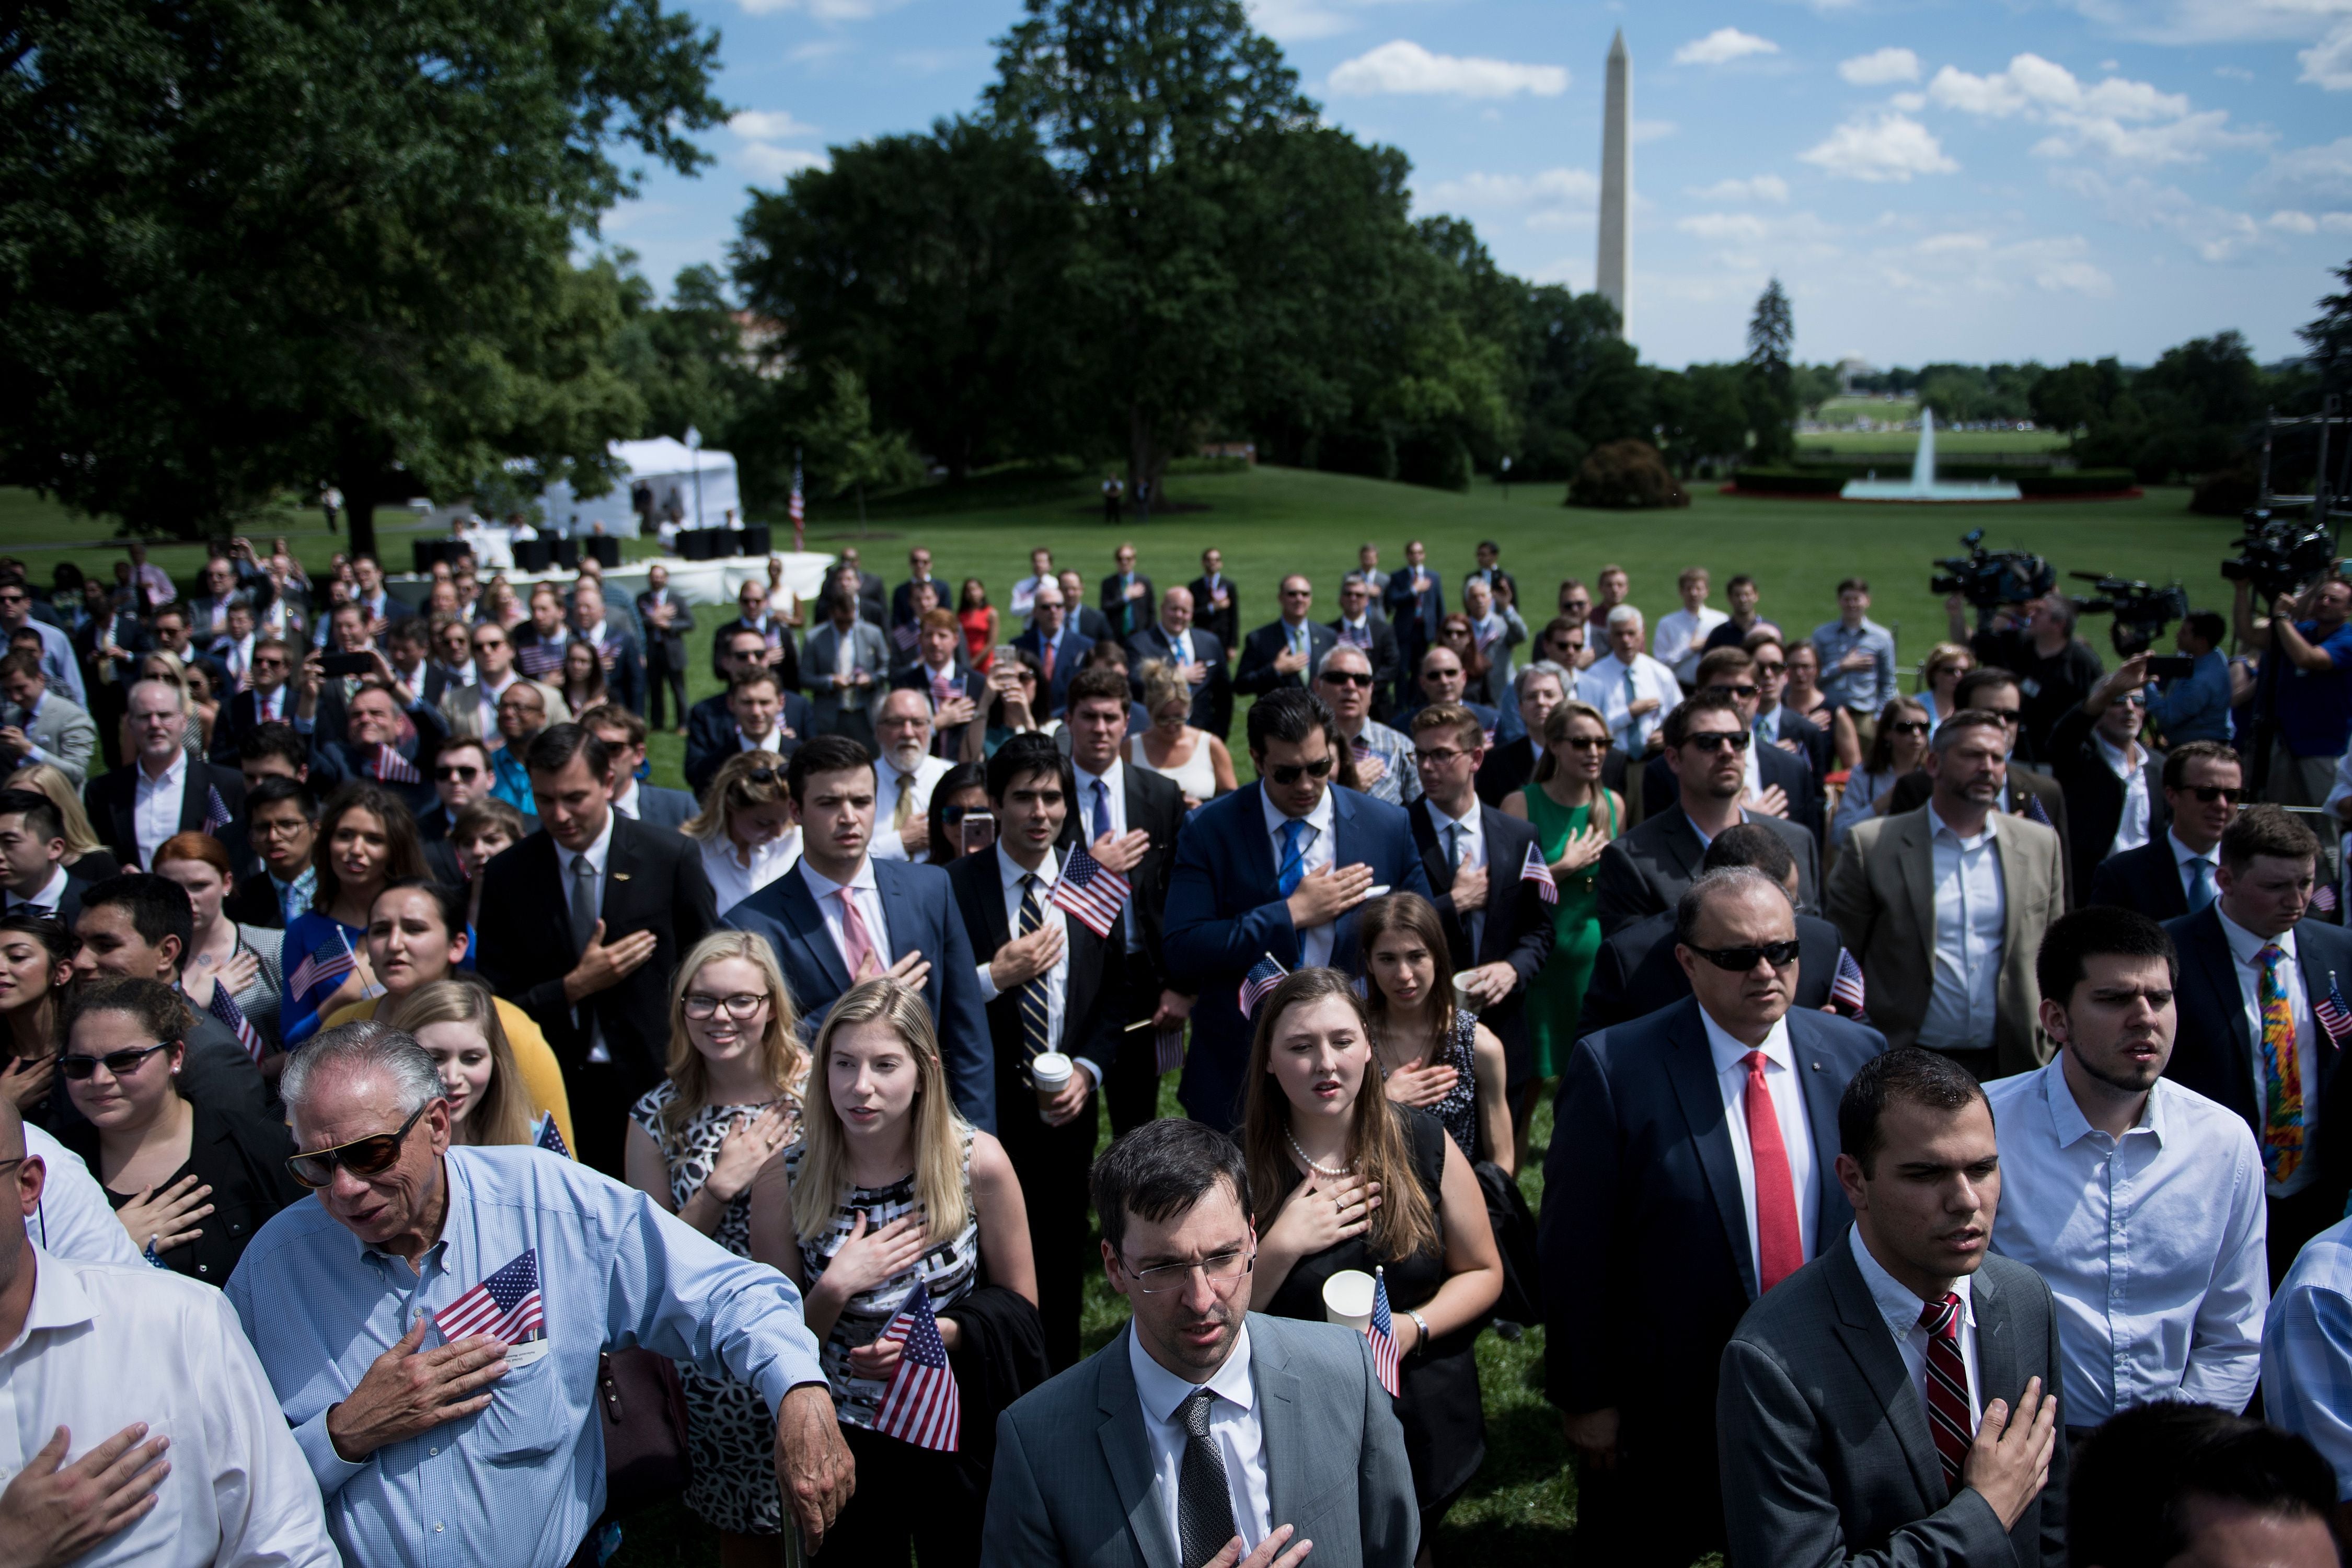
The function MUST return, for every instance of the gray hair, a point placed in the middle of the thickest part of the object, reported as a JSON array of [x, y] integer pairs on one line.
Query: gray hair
[[1724, 880], [1542, 667], [1958, 723], [356, 1049], [1622, 614]]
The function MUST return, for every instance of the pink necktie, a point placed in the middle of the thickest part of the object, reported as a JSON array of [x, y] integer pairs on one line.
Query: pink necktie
[[857, 944]]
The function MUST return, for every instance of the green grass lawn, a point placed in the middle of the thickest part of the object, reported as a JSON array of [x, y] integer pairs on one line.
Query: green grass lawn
[[1959, 443]]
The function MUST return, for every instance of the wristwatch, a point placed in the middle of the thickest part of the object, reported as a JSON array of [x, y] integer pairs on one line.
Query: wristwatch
[[1423, 1324]]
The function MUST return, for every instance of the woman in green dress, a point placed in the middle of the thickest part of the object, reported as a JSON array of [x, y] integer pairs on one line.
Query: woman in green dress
[[1575, 815]]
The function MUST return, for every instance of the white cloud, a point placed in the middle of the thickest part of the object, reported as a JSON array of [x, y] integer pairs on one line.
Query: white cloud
[[1909, 103], [2336, 222], [817, 49], [768, 125], [1652, 130], [2292, 221], [2328, 63], [2128, 122], [2235, 73], [1762, 188], [2214, 21], [1548, 186], [824, 10], [1404, 67], [780, 162], [1294, 21], [2216, 234], [1719, 226], [1962, 264], [1722, 46], [2322, 173], [1880, 67], [1892, 147]]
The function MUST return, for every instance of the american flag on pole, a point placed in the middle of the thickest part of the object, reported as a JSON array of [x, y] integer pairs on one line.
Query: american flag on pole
[[1538, 870], [1090, 890], [1381, 1332], [798, 507], [922, 1406], [2332, 1014], [325, 967], [506, 1306], [550, 1137], [1846, 988], [216, 812], [224, 1007], [388, 766], [1264, 977]]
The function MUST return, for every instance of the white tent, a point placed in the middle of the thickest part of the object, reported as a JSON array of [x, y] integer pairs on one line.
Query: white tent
[[665, 466]]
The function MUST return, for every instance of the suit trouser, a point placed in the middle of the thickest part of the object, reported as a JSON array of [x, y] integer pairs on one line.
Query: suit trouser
[[1052, 1164], [1132, 1095], [2292, 1221], [857, 724], [660, 671], [1661, 1507], [599, 1114]]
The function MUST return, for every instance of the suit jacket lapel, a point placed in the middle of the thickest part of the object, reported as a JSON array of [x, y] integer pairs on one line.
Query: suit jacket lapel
[[805, 921], [1345, 851], [620, 872], [193, 788], [2317, 980], [1997, 1370], [1128, 1453], [1914, 860], [1433, 854], [2015, 873], [2221, 975], [1822, 1093], [1864, 1334], [1288, 1472], [1682, 843], [1691, 1066], [900, 914]]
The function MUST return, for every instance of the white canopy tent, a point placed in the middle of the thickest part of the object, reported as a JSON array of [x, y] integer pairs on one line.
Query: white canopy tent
[[663, 466]]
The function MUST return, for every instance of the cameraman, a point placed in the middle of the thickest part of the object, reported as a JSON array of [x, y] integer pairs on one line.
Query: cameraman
[[2196, 707], [2055, 669], [2314, 703]]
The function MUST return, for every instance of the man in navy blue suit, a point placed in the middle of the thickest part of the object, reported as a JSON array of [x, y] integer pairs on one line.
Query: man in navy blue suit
[[1692, 1169], [1415, 602], [841, 916], [1061, 652], [1276, 871], [1732, 672]]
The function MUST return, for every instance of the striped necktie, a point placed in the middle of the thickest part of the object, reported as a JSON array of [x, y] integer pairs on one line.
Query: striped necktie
[[1949, 1417], [1033, 1036]]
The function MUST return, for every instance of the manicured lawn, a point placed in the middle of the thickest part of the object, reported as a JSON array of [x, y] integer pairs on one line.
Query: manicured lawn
[[1959, 443]]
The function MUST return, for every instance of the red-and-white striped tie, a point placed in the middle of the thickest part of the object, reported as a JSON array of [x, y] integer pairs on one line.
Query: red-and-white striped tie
[[1947, 1387]]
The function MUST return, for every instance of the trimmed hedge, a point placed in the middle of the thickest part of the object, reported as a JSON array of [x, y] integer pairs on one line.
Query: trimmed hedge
[[1790, 481], [1625, 474], [2077, 483]]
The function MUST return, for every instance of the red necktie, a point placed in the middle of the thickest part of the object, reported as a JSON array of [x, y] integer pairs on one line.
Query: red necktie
[[1947, 1386], [1779, 1241], [1048, 661]]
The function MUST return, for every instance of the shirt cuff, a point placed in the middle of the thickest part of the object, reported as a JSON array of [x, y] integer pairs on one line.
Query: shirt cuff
[[794, 1370], [988, 992], [330, 1469], [305, 726], [1090, 1065], [34, 754]]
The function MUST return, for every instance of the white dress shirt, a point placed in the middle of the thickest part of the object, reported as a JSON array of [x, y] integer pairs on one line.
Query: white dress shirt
[[156, 806], [888, 844], [1899, 1307], [1970, 902], [1463, 841], [106, 1344], [73, 1218], [1787, 1108], [271, 707], [2244, 945], [596, 855], [2184, 862], [1604, 685], [1317, 848], [1232, 1426], [1114, 793], [733, 880], [487, 697], [1681, 638], [2152, 1244], [2131, 771], [625, 802], [45, 900], [1056, 979], [863, 889]]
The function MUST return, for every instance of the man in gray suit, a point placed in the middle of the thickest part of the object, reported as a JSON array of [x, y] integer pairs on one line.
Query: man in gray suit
[[41, 726], [1891, 1401], [623, 734], [1205, 1430], [846, 667]]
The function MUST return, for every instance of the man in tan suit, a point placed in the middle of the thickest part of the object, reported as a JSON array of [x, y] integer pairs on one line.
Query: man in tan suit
[[1945, 907]]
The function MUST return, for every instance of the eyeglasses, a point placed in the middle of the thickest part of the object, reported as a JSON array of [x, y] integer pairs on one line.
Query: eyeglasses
[[457, 772], [117, 1062], [362, 1157], [742, 1004], [1769, 670], [2209, 794], [1220, 1269], [1347, 677], [1716, 739], [1287, 774], [1739, 959], [1298, 593], [1438, 756], [1741, 692]]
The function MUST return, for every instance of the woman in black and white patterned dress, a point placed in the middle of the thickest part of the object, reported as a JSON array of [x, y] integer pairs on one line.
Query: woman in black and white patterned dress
[[732, 1101], [889, 1187], [1431, 1053]]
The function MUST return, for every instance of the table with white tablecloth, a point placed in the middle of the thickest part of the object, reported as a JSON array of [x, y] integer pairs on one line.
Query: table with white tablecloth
[[696, 582]]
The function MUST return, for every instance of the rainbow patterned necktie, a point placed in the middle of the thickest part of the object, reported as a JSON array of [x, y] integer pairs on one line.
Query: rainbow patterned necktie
[[2283, 1131]]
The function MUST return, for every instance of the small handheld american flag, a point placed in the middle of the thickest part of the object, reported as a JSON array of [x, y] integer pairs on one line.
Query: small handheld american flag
[[324, 967], [1538, 870], [922, 1406], [1381, 1332], [388, 766], [1167, 1048], [1846, 991], [1262, 977], [1090, 890], [216, 812], [2333, 1014], [2322, 897], [904, 635], [550, 1137], [224, 1007], [506, 1306]]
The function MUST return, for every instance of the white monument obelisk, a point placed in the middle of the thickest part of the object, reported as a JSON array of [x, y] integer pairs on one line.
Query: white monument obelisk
[[1616, 183]]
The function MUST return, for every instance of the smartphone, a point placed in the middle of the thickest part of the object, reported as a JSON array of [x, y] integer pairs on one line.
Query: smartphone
[[979, 831], [339, 664], [2176, 667], [1004, 655]]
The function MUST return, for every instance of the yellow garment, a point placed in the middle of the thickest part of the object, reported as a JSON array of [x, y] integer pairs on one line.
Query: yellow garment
[[534, 1057]]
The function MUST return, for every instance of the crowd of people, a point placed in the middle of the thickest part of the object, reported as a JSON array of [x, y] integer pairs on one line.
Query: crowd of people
[[1949, 1150]]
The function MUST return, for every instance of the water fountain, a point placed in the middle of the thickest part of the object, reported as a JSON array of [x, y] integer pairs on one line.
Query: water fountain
[[1923, 485]]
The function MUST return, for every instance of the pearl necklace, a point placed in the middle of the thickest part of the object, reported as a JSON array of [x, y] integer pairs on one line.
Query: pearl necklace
[[1318, 1170]]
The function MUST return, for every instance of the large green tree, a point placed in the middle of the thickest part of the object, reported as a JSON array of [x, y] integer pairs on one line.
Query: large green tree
[[1772, 392], [254, 244]]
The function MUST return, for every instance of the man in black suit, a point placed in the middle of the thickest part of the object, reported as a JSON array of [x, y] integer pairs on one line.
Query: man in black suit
[[1777, 782], [2115, 786], [33, 857], [1362, 624], [624, 661], [1126, 597], [267, 698], [1061, 652], [408, 650], [666, 620], [1128, 819], [1414, 601], [2177, 873], [782, 654], [1177, 639], [1050, 984], [1285, 652], [1777, 725], [941, 671], [1539, 688], [161, 790], [1079, 611], [710, 727], [461, 775], [1644, 871], [595, 912], [283, 818], [1497, 917], [1662, 1225], [902, 598], [2248, 950], [1216, 602], [872, 591], [370, 746]]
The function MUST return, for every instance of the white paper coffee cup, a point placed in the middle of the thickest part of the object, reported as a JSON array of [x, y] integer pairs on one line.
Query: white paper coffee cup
[[1348, 1299], [1050, 1072], [1462, 997]]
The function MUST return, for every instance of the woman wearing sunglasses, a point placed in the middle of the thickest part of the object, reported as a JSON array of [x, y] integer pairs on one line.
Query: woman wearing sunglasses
[[222, 952], [366, 839], [1575, 816], [1940, 672], [1345, 1178], [888, 1187], [1174, 747], [457, 1023], [732, 1100], [745, 828], [959, 796], [1898, 747], [36, 967], [191, 1181]]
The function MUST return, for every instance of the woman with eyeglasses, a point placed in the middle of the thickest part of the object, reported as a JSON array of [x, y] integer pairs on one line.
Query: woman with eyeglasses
[[190, 1183], [1431, 1054], [221, 951], [1938, 673], [887, 1188], [1012, 708], [458, 1024], [1174, 747], [1803, 697], [1344, 1178], [978, 620], [86, 856], [584, 677], [745, 828], [1897, 747], [1575, 816], [731, 1102], [36, 967], [366, 839], [960, 795]]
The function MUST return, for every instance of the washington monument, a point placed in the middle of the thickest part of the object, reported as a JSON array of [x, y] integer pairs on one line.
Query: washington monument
[[1616, 183]]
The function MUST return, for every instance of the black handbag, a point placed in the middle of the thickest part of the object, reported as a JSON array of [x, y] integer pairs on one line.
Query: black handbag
[[643, 1404], [1514, 1238]]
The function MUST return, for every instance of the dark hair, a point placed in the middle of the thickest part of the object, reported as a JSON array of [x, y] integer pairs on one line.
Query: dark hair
[[2127, 1501], [609, 716], [2207, 626], [1882, 739], [1719, 662], [50, 932], [1678, 722], [1160, 1171], [2096, 930], [405, 855], [158, 906], [553, 749], [1691, 905], [274, 738], [1028, 753], [1107, 653], [2175, 763], [2266, 830], [1451, 716], [489, 810], [758, 675], [158, 1007], [1739, 579], [1753, 845], [274, 790], [42, 817], [823, 755], [1099, 683], [1965, 689], [1289, 714], [952, 783], [23, 661], [451, 901], [1907, 1073], [1854, 585]]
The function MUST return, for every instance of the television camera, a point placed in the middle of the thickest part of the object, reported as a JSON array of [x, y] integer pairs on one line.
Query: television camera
[[1989, 578], [2280, 555], [2141, 611]]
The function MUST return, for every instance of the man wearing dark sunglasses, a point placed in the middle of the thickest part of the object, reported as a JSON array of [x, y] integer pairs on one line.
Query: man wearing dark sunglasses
[[2115, 786], [1777, 783], [2178, 872], [1359, 624], [1693, 1170], [1274, 869], [1775, 724], [1348, 684], [1285, 654]]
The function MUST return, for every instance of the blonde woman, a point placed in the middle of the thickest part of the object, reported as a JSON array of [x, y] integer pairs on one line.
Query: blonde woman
[[1575, 816], [745, 828], [1940, 672], [888, 1187], [456, 1022], [86, 856], [1174, 747]]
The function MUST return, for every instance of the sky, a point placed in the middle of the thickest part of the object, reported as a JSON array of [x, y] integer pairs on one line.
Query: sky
[[1931, 180]]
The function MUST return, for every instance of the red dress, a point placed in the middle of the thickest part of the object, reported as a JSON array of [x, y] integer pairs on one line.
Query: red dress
[[978, 629]]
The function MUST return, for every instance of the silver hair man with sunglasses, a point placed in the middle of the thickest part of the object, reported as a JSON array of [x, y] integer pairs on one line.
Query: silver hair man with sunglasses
[[1690, 1171], [433, 1324]]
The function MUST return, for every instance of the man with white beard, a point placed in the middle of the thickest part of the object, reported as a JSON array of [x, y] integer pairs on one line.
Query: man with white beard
[[904, 775]]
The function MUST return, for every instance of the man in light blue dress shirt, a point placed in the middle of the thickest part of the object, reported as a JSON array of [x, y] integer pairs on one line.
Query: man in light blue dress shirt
[[2196, 707], [1857, 656], [481, 1451]]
